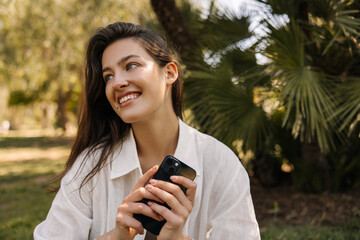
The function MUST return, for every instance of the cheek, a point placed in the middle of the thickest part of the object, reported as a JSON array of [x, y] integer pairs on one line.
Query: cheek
[[108, 92]]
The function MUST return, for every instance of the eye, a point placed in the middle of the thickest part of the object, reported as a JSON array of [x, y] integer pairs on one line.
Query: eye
[[131, 66], [108, 77]]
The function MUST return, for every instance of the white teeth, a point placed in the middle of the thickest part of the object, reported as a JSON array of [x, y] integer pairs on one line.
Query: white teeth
[[128, 97]]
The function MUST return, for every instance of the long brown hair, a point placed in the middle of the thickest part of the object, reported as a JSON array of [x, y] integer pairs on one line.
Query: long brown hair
[[99, 126]]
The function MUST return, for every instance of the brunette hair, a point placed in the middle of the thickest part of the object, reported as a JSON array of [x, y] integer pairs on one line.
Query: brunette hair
[[99, 126]]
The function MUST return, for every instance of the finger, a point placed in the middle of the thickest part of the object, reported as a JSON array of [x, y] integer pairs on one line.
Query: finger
[[170, 200], [124, 221], [141, 208], [174, 190], [144, 179], [169, 216], [140, 194], [188, 184]]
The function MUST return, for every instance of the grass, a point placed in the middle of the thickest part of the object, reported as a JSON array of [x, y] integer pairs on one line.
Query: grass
[[26, 166], [310, 232], [28, 163]]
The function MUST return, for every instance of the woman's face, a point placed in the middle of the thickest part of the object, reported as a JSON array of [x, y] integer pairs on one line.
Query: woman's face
[[137, 88]]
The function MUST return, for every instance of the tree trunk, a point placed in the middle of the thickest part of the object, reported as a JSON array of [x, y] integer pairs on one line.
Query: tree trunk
[[45, 116], [172, 21], [311, 152], [303, 17], [62, 100]]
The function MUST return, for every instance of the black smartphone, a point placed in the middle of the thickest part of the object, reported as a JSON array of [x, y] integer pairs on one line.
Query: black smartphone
[[170, 166]]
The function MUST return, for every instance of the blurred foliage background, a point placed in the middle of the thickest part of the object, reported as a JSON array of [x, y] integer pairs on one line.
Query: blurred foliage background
[[277, 81], [42, 56]]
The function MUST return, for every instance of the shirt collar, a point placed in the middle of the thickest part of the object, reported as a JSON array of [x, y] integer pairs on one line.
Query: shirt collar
[[186, 150], [125, 158]]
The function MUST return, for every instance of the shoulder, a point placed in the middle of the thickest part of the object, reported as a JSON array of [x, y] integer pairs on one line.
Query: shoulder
[[221, 169], [214, 153], [213, 148]]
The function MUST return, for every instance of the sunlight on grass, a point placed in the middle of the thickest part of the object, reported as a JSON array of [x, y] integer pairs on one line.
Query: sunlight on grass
[[16, 154], [27, 164], [31, 167]]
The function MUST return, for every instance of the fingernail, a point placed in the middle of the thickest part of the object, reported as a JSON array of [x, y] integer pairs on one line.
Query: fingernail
[[153, 181], [149, 203], [174, 178], [148, 187]]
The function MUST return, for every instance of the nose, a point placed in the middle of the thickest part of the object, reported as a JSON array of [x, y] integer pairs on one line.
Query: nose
[[120, 81]]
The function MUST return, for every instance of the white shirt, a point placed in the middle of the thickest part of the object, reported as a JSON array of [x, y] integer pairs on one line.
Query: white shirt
[[223, 202]]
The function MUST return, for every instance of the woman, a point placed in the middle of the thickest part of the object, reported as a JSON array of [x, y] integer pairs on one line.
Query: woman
[[131, 120]]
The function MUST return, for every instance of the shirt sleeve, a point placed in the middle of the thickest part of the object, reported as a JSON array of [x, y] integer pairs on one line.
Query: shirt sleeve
[[233, 215], [70, 215]]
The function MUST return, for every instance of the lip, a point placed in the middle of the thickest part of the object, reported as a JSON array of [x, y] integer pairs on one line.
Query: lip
[[124, 104]]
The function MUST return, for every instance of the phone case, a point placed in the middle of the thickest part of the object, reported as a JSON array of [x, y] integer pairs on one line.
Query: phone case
[[170, 166]]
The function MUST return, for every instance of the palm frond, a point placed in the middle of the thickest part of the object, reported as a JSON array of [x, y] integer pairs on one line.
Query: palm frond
[[328, 9], [309, 106], [303, 89], [221, 30], [289, 7], [340, 21], [285, 46], [239, 61], [349, 109], [224, 109]]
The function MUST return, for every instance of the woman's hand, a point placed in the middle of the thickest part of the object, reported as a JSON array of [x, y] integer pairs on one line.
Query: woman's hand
[[180, 205], [126, 225]]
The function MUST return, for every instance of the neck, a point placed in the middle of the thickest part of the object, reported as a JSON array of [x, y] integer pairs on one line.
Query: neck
[[155, 140]]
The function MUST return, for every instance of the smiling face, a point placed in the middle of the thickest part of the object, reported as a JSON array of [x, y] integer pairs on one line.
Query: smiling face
[[137, 88]]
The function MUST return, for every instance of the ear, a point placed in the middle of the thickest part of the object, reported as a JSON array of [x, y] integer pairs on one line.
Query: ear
[[171, 73]]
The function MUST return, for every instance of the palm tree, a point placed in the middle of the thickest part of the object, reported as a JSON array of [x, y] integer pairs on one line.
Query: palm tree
[[314, 65], [301, 107]]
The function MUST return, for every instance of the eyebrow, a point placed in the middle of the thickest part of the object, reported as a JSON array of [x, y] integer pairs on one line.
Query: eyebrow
[[121, 61]]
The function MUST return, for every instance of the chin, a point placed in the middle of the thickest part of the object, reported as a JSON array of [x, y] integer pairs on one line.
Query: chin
[[130, 118], [135, 115]]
